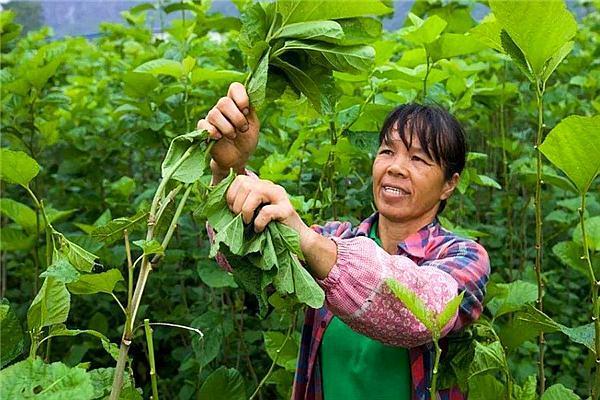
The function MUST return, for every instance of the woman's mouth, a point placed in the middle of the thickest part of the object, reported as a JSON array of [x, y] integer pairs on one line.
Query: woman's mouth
[[395, 191]]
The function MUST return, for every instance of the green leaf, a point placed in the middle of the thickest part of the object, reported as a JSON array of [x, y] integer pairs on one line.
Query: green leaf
[[486, 387], [424, 31], [592, 233], [113, 230], [103, 282], [556, 59], [150, 247], [192, 169], [487, 358], [559, 392], [20, 214], [307, 290], [102, 378], [221, 75], [573, 146], [301, 10], [17, 167], [14, 239], [232, 234], [223, 384], [414, 304], [62, 330], [351, 59], [38, 77], [539, 28], [162, 66], [510, 297], [287, 356], [511, 48], [453, 45], [30, 379], [11, 332], [528, 391], [449, 311], [570, 254], [79, 257], [50, 306], [215, 276], [360, 30], [257, 87], [314, 30], [139, 84], [61, 270], [302, 81]]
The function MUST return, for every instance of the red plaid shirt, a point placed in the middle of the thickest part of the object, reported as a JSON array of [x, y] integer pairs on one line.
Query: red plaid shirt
[[464, 260]]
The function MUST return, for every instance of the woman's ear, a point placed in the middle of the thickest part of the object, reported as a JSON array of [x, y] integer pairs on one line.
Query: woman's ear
[[449, 186]]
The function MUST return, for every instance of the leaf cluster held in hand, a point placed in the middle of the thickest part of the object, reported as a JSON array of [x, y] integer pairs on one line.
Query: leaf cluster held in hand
[[260, 259], [300, 44]]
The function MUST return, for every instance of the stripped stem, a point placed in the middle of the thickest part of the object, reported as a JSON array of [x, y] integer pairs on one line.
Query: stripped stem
[[150, 342]]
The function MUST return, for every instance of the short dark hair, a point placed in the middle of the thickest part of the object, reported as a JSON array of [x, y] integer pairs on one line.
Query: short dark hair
[[440, 134]]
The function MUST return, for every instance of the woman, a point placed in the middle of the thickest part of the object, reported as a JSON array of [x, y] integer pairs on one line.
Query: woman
[[364, 344]]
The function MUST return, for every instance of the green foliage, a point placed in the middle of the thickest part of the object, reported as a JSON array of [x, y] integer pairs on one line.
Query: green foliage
[[572, 146], [34, 378], [99, 115], [224, 383]]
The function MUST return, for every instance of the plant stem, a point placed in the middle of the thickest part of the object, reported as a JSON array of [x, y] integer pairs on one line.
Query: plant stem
[[142, 279], [129, 269], [178, 212], [150, 342], [426, 74], [595, 303], [438, 353], [287, 336], [538, 232]]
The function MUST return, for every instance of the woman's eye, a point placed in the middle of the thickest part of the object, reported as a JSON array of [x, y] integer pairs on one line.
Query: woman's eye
[[417, 158], [385, 151]]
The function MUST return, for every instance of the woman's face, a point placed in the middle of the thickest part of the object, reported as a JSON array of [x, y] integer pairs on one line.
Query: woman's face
[[407, 184]]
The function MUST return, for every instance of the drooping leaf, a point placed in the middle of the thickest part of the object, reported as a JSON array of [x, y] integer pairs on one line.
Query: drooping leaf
[[150, 246], [11, 332], [257, 86], [570, 253], [573, 146], [539, 28], [162, 66], [50, 306], [62, 330], [79, 257], [17, 167], [223, 384], [192, 168], [414, 304], [103, 282], [306, 289], [30, 378], [302, 81]]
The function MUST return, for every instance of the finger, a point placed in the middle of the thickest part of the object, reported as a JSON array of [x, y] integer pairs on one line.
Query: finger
[[233, 190], [217, 119], [237, 92], [232, 113], [213, 132], [270, 212], [252, 202], [240, 199]]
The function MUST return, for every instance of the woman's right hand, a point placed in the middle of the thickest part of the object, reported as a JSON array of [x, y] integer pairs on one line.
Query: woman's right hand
[[235, 125]]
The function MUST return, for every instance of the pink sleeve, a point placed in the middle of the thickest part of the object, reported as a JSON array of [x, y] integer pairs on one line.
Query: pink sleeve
[[355, 290]]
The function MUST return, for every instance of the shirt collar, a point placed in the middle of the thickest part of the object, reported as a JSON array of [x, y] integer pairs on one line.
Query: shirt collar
[[415, 244]]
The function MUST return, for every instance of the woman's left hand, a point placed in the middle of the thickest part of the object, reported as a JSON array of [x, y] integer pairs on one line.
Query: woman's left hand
[[246, 194]]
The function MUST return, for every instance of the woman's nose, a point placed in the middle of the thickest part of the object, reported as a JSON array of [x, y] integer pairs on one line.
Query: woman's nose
[[399, 166]]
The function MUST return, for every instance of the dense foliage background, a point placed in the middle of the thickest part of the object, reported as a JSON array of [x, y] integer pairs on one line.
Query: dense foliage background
[[99, 130]]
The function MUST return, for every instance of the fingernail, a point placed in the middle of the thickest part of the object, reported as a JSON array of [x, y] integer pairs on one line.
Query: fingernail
[[246, 111], [244, 128]]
